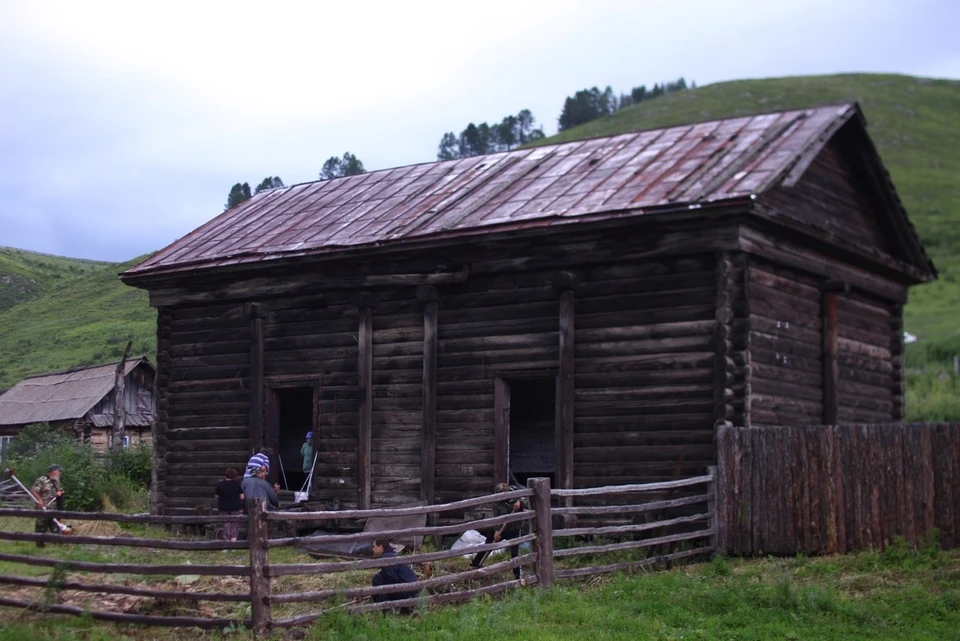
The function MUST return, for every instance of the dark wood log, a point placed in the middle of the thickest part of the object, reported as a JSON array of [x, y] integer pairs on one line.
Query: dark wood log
[[128, 568], [365, 368], [645, 563], [633, 545], [565, 393], [628, 529], [353, 593], [256, 379], [258, 533], [501, 430], [542, 526], [126, 541], [118, 617], [107, 588], [428, 461], [120, 518]]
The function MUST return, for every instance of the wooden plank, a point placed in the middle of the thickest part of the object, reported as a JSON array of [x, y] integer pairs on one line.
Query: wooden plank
[[565, 392], [501, 430], [624, 489], [365, 410], [542, 525], [120, 617], [256, 383], [428, 460], [617, 567], [258, 532], [831, 375]]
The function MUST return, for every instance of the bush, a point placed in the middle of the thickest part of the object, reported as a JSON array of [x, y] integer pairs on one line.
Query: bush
[[87, 478], [133, 463]]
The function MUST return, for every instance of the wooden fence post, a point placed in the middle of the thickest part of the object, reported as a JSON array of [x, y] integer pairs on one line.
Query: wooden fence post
[[543, 545], [712, 504], [258, 532]]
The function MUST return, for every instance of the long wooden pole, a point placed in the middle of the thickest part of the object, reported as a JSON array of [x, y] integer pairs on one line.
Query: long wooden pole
[[119, 407], [258, 532], [365, 436], [428, 455]]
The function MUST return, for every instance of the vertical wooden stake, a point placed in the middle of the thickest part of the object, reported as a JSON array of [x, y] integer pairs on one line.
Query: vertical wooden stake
[[258, 533], [428, 451], [831, 370], [365, 436], [565, 393], [713, 522], [543, 544]]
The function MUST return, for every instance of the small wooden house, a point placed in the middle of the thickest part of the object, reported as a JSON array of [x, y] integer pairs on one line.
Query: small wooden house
[[589, 311], [82, 400]]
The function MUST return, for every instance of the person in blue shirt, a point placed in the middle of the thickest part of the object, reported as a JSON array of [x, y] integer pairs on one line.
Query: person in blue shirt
[[393, 575]]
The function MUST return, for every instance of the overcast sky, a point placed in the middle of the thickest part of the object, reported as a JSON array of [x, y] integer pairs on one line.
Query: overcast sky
[[122, 127]]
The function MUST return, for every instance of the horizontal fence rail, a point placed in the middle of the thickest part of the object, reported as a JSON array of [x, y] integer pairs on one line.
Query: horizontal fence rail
[[667, 520], [836, 489]]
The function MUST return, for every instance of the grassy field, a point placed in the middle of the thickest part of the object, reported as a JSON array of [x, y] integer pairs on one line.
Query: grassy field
[[896, 594]]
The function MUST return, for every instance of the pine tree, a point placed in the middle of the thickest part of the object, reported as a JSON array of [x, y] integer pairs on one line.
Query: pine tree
[[238, 193]]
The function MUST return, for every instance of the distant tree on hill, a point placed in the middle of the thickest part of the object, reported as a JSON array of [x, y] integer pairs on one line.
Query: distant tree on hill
[[270, 182], [238, 194], [587, 105], [348, 165], [478, 140]]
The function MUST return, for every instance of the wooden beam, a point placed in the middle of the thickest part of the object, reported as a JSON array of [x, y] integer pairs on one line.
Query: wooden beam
[[501, 430], [365, 436], [565, 392], [831, 372], [428, 453], [723, 393], [257, 313]]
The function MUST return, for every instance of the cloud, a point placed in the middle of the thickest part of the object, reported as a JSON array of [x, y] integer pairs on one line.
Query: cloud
[[123, 125]]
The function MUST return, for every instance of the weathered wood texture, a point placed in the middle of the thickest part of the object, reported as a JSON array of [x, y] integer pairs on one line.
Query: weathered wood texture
[[836, 489]]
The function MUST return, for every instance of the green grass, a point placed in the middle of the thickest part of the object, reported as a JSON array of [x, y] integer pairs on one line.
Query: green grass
[[76, 321], [915, 123], [25, 275], [896, 594]]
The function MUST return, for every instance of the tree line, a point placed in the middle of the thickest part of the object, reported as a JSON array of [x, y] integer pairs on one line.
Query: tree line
[[514, 131], [334, 167]]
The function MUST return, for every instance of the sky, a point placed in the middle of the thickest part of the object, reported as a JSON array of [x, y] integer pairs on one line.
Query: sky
[[123, 125]]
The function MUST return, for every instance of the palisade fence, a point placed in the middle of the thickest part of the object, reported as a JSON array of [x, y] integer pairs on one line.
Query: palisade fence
[[665, 522], [838, 488]]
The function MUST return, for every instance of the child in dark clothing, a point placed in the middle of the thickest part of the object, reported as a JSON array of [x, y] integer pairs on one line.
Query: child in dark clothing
[[393, 575], [230, 501]]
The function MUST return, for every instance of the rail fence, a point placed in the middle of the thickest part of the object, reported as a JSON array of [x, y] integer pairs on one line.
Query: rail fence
[[836, 489], [663, 528]]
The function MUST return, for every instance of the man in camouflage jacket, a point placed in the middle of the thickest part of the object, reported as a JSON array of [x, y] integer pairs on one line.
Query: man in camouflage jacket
[[45, 489]]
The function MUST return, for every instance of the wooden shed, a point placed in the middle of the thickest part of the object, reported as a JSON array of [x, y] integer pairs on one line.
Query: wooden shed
[[589, 311], [82, 400]]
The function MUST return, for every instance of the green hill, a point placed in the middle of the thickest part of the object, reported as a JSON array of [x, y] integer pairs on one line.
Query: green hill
[[75, 321], [915, 123], [25, 275]]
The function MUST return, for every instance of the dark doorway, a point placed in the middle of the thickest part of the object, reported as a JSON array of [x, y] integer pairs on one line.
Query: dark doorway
[[532, 449], [295, 418]]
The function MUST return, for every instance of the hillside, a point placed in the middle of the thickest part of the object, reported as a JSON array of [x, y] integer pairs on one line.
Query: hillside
[[76, 321], [915, 123], [25, 275]]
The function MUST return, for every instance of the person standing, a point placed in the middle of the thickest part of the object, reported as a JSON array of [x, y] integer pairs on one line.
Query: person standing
[[306, 453], [257, 487], [392, 575], [45, 489], [230, 502]]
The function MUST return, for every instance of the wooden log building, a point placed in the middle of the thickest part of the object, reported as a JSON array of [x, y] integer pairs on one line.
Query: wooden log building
[[589, 311], [82, 400]]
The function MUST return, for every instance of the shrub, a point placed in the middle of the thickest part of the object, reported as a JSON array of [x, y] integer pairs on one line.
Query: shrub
[[87, 477]]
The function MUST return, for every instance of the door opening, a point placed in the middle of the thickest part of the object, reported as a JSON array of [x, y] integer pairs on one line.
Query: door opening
[[294, 417], [532, 445]]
